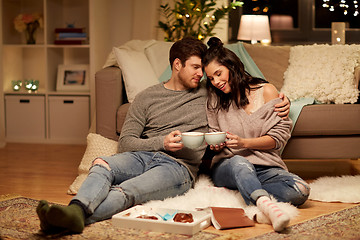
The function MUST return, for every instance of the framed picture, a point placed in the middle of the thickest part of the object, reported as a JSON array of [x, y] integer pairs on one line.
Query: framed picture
[[73, 78]]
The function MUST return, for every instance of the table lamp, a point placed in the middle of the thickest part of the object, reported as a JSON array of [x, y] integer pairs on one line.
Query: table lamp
[[254, 28]]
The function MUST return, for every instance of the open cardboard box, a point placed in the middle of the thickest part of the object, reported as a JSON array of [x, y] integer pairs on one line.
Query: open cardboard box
[[128, 219]]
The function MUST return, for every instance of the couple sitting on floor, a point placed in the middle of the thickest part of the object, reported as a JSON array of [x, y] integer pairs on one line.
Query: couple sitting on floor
[[153, 164]]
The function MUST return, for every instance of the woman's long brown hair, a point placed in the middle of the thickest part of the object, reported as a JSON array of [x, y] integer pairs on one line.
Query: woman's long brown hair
[[239, 79]]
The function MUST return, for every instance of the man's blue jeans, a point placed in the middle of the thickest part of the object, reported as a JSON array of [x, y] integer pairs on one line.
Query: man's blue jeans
[[134, 178], [254, 181]]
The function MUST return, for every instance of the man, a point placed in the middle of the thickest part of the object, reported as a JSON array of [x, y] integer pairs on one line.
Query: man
[[152, 164]]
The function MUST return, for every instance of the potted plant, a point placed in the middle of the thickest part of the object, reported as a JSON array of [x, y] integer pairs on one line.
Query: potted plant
[[196, 18]]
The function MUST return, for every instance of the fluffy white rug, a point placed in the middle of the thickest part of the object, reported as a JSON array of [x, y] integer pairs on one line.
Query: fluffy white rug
[[205, 194], [336, 189]]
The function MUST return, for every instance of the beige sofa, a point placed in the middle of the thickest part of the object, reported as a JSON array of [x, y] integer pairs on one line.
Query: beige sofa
[[321, 130]]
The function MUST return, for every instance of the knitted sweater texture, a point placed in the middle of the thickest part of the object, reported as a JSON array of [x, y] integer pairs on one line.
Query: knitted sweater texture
[[157, 111], [263, 121]]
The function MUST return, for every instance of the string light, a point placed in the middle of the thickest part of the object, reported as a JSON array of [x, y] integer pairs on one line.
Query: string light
[[346, 6]]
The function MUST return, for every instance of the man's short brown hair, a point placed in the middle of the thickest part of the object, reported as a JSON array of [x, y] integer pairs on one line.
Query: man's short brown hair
[[185, 48]]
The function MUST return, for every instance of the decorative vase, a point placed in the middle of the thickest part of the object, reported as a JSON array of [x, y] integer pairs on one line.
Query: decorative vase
[[30, 32]]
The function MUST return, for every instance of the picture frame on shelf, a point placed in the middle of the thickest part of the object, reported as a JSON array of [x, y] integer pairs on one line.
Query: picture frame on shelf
[[73, 77]]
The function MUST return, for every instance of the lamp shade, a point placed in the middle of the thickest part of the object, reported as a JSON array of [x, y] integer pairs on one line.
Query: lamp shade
[[254, 28]]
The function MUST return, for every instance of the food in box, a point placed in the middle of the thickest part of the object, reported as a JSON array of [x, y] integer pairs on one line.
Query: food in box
[[163, 220]]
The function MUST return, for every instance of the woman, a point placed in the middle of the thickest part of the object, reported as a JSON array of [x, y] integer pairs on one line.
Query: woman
[[249, 160]]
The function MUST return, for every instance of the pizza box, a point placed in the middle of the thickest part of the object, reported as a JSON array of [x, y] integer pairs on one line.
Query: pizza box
[[129, 219]]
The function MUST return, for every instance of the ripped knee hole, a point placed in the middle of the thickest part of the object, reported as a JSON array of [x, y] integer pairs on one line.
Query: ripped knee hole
[[303, 187], [99, 161]]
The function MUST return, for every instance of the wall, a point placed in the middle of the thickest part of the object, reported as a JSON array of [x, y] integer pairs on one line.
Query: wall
[[122, 21], [2, 117]]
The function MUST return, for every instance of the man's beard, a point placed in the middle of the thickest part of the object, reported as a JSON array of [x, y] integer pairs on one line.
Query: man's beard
[[188, 84]]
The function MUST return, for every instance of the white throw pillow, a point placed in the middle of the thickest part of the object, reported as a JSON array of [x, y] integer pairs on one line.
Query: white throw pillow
[[324, 72], [97, 146], [137, 71], [158, 56]]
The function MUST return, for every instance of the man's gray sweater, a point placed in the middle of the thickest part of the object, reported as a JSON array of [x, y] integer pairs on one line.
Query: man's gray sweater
[[157, 111]]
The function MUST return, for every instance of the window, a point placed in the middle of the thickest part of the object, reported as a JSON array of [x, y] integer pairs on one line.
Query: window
[[327, 11], [299, 21]]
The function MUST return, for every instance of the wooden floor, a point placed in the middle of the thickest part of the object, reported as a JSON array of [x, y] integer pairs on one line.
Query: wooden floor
[[45, 171]]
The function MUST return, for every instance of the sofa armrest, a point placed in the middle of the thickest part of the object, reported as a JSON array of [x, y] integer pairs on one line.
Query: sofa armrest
[[109, 96]]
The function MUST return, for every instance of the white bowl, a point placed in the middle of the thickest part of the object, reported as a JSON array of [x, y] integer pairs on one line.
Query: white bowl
[[192, 139], [215, 138]]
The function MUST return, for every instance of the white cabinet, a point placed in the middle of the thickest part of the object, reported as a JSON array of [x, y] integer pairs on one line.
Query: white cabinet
[[25, 118], [40, 61], [68, 118], [47, 118]]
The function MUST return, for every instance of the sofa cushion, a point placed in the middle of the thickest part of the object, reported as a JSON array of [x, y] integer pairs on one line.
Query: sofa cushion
[[322, 147], [158, 56], [271, 60], [97, 146], [137, 45], [328, 119], [138, 73], [324, 72]]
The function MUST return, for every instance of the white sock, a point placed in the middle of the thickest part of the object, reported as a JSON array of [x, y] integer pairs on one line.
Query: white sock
[[278, 218], [260, 217]]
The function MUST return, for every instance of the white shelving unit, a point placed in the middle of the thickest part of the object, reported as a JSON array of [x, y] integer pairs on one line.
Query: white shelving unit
[[108, 23], [40, 61]]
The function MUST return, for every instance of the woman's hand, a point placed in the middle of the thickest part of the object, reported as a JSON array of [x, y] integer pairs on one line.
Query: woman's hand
[[260, 143], [217, 148], [234, 141]]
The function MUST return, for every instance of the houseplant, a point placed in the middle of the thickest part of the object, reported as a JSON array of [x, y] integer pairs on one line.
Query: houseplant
[[196, 18]]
